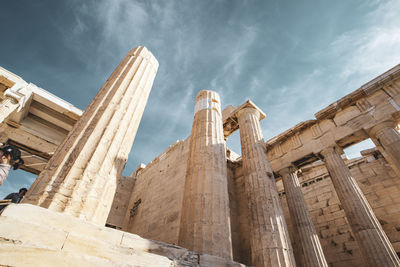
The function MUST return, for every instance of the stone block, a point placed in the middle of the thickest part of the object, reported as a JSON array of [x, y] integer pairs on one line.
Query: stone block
[[38, 235], [11, 255], [121, 255], [392, 209], [351, 245], [320, 204], [136, 242], [65, 222], [381, 200], [29, 241], [209, 260], [333, 200]]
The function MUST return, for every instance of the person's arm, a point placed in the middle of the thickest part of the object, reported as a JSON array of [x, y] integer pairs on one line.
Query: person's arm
[[4, 169]]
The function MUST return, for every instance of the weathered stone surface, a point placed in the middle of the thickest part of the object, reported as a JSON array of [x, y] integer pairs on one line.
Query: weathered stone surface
[[157, 216], [80, 178], [373, 242], [39, 234], [66, 241], [387, 139], [12, 255], [240, 225], [33, 120], [82, 181], [343, 123], [121, 201], [312, 254], [204, 225], [270, 243], [371, 173]]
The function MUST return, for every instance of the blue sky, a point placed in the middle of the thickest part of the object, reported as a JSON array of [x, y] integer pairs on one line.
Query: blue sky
[[292, 58]]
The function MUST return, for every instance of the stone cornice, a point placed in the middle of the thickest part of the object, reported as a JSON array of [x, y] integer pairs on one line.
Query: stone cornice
[[348, 100]]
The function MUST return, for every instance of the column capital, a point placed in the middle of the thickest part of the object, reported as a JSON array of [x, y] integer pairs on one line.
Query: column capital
[[248, 110], [248, 107], [230, 121], [373, 131], [331, 149], [287, 170]]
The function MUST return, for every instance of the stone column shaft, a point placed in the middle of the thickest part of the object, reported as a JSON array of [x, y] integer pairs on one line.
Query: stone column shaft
[[270, 243], [80, 179], [387, 138], [312, 253], [205, 223], [374, 244]]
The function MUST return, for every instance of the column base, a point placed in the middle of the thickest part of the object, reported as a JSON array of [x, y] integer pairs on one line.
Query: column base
[[34, 236]]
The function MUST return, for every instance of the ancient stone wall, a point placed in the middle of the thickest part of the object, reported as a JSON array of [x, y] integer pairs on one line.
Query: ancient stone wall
[[240, 225], [381, 187], [159, 187], [155, 205], [121, 200]]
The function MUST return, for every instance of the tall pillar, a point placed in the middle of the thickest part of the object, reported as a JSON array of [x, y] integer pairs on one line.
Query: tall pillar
[[270, 243], [374, 244], [387, 138], [80, 178], [205, 224], [312, 253]]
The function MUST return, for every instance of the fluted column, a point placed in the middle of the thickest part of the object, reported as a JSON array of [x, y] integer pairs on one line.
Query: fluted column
[[205, 224], [80, 179], [374, 244], [312, 253], [270, 243], [387, 138]]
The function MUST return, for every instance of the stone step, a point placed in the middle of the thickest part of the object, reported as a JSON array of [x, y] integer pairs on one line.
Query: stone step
[[31, 235]]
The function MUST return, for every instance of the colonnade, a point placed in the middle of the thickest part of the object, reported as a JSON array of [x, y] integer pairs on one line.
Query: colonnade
[[78, 178], [269, 238]]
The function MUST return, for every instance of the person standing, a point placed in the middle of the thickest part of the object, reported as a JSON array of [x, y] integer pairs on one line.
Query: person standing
[[10, 156], [14, 197], [4, 166]]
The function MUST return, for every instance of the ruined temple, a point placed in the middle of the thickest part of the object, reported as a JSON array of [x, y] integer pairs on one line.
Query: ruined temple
[[293, 200]]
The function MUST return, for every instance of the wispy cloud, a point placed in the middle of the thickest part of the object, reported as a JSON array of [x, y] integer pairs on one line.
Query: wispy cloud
[[231, 71], [290, 59], [353, 58], [369, 51]]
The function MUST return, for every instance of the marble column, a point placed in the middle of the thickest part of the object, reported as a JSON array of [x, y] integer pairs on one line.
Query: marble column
[[205, 224], [269, 238], [387, 139], [372, 240], [312, 253], [80, 179]]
